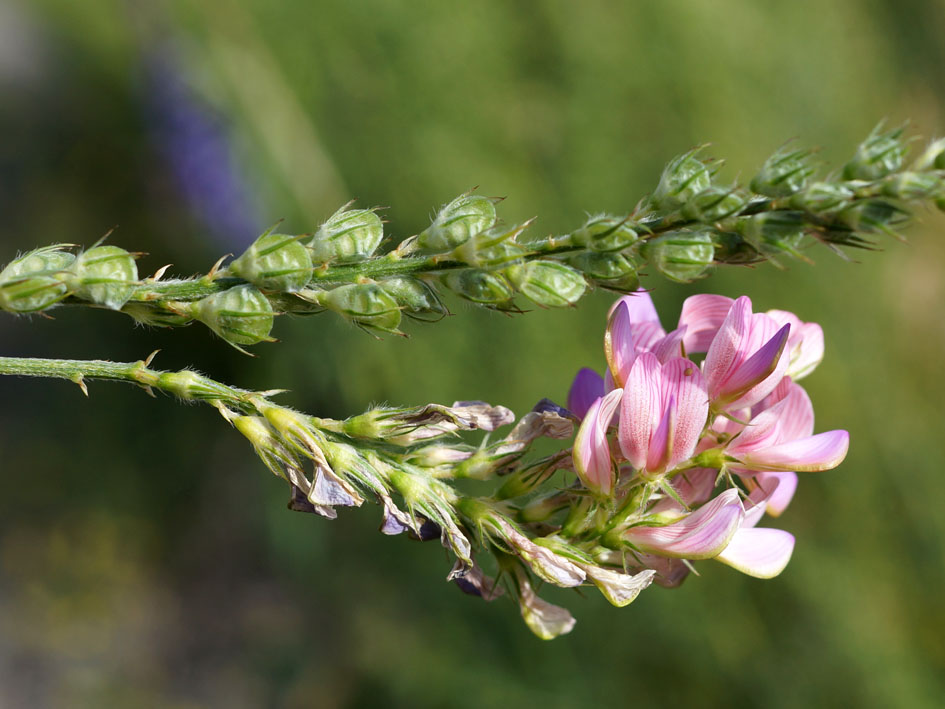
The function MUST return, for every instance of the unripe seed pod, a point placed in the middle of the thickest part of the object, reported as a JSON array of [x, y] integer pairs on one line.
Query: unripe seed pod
[[241, 315], [784, 173], [147, 314], [683, 178], [465, 216], [877, 156], [35, 281], [940, 203], [479, 286], [104, 275], [604, 233], [873, 215], [822, 198], [367, 304], [681, 255], [610, 270], [549, 283], [940, 161], [774, 232], [714, 204], [414, 296], [275, 262], [913, 185], [348, 235], [732, 248]]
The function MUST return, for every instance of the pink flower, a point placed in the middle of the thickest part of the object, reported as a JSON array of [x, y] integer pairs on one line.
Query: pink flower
[[663, 412], [746, 359], [588, 385], [591, 453], [633, 327], [762, 553], [805, 346]]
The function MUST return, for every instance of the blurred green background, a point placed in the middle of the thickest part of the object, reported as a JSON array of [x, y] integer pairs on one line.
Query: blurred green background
[[147, 559]]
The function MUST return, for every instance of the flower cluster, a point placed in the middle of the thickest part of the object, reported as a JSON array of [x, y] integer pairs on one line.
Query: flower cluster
[[690, 455]]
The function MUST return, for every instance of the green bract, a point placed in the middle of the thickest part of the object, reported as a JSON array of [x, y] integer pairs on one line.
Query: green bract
[[549, 283], [348, 235], [241, 315], [465, 216], [681, 255], [275, 262], [35, 281], [104, 275]]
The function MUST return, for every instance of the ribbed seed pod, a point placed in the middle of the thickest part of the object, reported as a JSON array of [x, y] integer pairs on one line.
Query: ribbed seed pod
[[35, 281], [914, 185], [241, 315], [877, 156], [683, 178], [276, 263], [774, 232], [479, 286], [465, 216], [347, 235], [605, 233], [415, 297], [366, 304], [714, 204], [681, 255], [548, 283], [104, 275], [612, 270], [822, 198], [784, 173]]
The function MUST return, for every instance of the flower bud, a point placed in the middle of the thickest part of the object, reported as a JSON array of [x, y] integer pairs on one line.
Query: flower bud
[[877, 156], [914, 185], [465, 216], [681, 256], [35, 281], [366, 304], [784, 173], [683, 178], [604, 233], [714, 204], [241, 315], [548, 283], [822, 197], [104, 275], [773, 232], [415, 297], [276, 263], [479, 286], [611, 270], [348, 235]]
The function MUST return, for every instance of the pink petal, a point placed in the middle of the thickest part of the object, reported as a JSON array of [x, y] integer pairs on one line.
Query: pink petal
[[587, 386], [640, 410], [797, 415], [669, 346], [812, 454], [758, 375], [682, 382], [783, 492], [806, 346], [703, 315], [661, 441], [640, 307], [694, 487], [618, 343], [723, 354], [592, 460], [762, 553], [700, 535]]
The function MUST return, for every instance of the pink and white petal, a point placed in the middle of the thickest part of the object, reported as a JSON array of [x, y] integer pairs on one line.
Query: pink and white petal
[[591, 453], [724, 353], [809, 353], [694, 487], [797, 414], [618, 344], [619, 588], [639, 410], [823, 451], [756, 503], [682, 381], [782, 493], [661, 440], [702, 534], [760, 374], [587, 386], [639, 306], [670, 346], [646, 335], [759, 552], [763, 431], [703, 315]]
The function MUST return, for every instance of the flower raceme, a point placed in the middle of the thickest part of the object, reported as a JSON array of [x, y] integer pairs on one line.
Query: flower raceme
[[694, 434]]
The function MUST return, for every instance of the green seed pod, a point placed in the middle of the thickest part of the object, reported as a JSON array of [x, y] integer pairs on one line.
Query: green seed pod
[[35, 281], [104, 275], [913, 185], [348, 235], [683, 178], [479, 286], [822, 198], [241, 315], [940, 161], [774, 232], [415, 297], [367, 304], [604, 233], [874, 215], [714, 204], [784, 173], [877, 156], [612, 270], [732, 248], [549, 283], [940, 203], [681, 256], [465, 216], [275, 263], [150, 314]]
